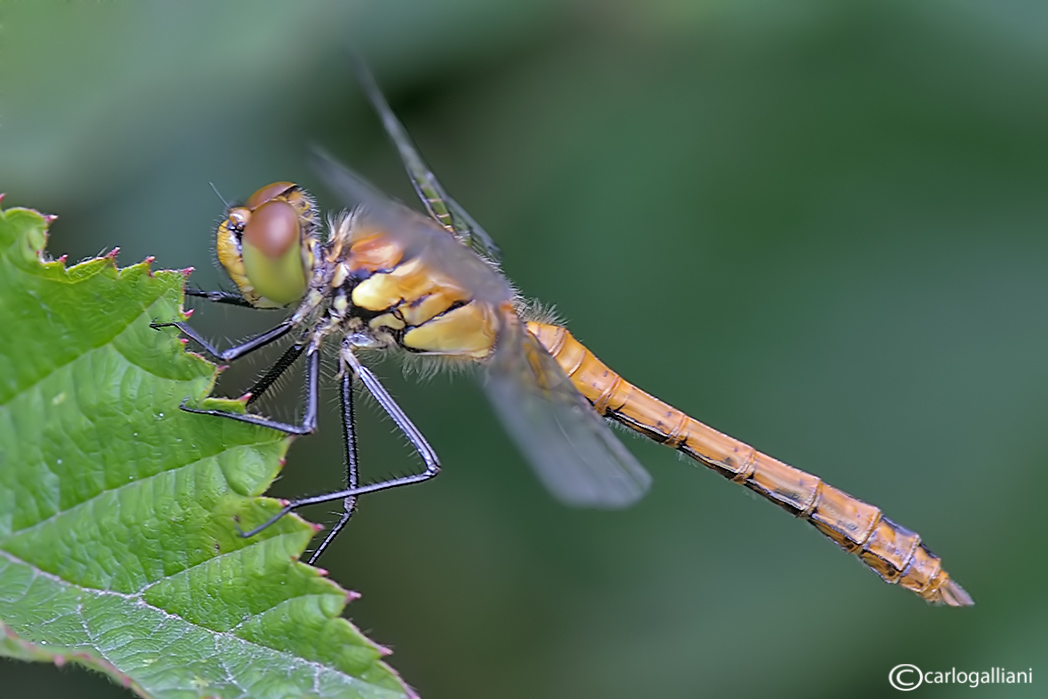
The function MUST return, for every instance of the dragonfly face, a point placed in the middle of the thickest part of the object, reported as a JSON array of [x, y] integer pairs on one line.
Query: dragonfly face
[[387, 278], [266, 245]]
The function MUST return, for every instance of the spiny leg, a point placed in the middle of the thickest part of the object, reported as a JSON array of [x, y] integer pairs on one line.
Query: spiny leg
[[309, 420], [403, 423], [349, 434], [260, 340], [291, 354], [227, 297], [286, 360]]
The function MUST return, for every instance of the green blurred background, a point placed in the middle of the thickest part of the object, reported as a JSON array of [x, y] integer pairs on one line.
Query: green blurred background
[[817, 226]]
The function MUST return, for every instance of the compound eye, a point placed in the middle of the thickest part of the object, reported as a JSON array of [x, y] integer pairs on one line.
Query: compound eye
[[272, 252], [267, 193], [272, 228]]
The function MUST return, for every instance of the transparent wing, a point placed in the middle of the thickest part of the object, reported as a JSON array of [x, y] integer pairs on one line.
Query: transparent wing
[[418, 234], [569, 445], [448, 212], [352, 188]]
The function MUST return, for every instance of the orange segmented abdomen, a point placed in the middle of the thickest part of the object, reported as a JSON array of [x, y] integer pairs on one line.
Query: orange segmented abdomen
[[893, 552]]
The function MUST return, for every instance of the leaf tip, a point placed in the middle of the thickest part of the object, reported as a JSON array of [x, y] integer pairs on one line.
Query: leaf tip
[[2, 195], [59, 660], [111, 255], [50, 218]]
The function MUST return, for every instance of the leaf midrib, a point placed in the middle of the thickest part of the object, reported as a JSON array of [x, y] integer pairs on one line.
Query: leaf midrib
[[94, 592]]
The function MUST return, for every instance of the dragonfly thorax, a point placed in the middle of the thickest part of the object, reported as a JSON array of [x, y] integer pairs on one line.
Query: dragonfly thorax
[[381, 287]]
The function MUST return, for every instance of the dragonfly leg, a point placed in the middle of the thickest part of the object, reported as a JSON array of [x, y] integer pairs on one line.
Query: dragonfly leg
[[349, 426], [403, 423], [291, 354], [227, 297], [309, 421], [236, 351]]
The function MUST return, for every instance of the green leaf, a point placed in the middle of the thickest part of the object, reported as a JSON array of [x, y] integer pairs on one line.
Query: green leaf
[[118, 546]]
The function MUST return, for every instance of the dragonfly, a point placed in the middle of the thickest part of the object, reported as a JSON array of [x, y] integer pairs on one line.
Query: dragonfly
[[381, 277]]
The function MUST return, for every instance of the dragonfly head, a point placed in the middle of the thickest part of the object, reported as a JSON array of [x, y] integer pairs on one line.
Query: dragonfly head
[[266, 244]]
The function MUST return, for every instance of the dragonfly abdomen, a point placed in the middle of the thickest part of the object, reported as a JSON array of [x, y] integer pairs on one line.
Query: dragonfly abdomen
[[892, 551]]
